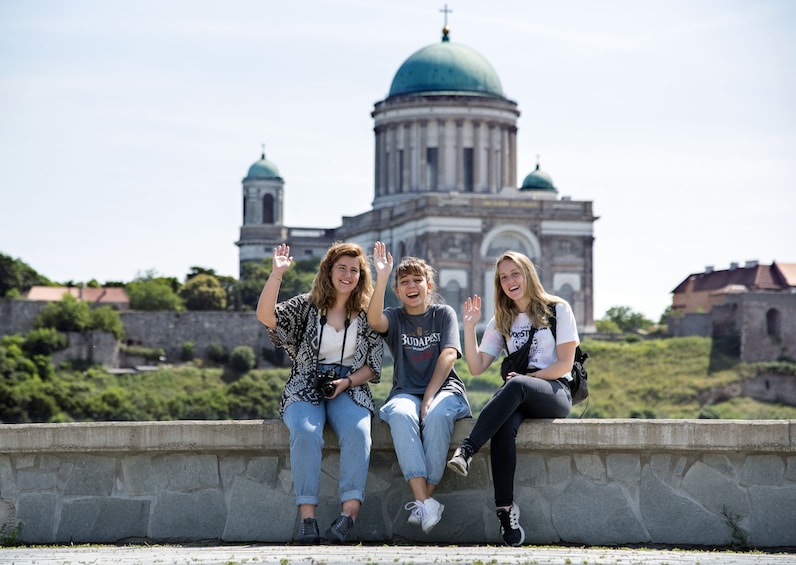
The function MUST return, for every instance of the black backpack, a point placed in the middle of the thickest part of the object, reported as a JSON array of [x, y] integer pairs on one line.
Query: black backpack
[[579, 385]]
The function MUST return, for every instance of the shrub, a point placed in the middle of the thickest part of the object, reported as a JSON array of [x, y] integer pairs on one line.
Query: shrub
[[44, 341], [242, 359], [188, 351], [217, 353]]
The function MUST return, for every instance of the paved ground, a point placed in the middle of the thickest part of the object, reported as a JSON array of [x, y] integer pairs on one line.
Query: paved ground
[[376, 555]]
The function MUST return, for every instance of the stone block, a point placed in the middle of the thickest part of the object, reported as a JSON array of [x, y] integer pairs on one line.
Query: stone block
[[199, 515], [36, 516], [36, 479], [186, 471], [623, 467], [773, 516], [663, 511], [714, 490], [591, 466], [138, 476], [258, 513], [263, 469], [102, 520], [763, 470], [8, 486], [603, 512], [92, 475]]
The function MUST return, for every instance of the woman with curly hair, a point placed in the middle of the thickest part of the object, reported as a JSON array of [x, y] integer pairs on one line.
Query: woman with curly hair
[[335, 354]]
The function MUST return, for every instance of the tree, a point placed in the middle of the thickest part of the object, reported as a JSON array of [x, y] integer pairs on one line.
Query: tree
[[153, 294], [203, 292], [626, 319], [16, 277], [73, 315]]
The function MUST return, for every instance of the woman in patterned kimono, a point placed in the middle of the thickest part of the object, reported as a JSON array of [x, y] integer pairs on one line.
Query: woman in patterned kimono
[[335, 354]]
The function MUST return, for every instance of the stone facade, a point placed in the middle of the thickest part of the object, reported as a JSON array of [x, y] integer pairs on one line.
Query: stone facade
[[591, 482]]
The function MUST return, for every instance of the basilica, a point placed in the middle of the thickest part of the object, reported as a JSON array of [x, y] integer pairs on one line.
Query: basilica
[[446, 189]]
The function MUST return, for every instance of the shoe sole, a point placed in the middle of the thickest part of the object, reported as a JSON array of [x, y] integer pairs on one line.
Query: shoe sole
[[457, 468], [439, 517]]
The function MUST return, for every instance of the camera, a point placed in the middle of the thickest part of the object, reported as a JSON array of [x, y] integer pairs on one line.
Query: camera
[[324, 382]]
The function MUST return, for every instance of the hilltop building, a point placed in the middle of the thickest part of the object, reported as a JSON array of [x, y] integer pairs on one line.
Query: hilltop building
[[754, 304], [445, 188]]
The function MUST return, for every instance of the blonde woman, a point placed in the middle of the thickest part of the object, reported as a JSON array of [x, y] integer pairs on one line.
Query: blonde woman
[[522, 312]]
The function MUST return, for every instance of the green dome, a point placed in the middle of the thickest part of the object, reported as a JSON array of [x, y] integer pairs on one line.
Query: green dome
[[263, 169], [538, 180], [446, 67]]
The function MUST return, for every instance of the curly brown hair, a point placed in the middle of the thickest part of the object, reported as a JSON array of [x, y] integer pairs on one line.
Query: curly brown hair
[[323, 293]]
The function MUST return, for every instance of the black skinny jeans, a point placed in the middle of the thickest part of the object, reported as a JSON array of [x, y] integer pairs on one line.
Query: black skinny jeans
[[520, 398]]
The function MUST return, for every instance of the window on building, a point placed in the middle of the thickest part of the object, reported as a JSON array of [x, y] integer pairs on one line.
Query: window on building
[[400, 171], [432, 167], [774, 323], [452, 295], [469, 169], [268, 209], [566, 292]]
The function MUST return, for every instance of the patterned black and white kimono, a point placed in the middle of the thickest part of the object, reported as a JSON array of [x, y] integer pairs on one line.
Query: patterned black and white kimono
[[297, 331]]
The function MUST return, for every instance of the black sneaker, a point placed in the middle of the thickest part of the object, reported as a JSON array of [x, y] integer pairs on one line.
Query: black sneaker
[[510, 528], [460, 462], [340, 529], [309, 534]]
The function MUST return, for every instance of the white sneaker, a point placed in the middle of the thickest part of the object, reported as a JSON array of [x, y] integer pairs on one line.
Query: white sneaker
[[432, 514], [416, 512]]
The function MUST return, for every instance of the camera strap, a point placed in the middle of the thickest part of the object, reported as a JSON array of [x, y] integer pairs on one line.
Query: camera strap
[[345, 332]]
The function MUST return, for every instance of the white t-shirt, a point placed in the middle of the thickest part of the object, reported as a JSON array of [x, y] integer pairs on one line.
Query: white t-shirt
[[543, 349]]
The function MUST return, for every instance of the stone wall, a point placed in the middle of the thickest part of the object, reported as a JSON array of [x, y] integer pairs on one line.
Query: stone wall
[[592, 482], [166, 330]]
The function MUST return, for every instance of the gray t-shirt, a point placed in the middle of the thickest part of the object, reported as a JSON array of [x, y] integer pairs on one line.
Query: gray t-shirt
[[416, 341]]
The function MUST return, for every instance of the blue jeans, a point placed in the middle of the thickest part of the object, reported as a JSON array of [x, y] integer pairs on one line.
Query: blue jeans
[[351, 423], [423, 452]]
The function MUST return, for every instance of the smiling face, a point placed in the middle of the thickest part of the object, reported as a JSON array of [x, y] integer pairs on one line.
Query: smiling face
[[412, 290], [513, 283], [345, 274]]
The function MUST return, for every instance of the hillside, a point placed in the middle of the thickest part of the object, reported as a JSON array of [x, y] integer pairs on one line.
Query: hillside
[[660, 378]]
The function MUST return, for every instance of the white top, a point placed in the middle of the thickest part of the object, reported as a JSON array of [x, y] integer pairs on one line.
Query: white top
[[332, 343], [543, 348]]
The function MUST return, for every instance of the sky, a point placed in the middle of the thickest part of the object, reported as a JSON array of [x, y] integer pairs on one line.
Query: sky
[[126, 127]]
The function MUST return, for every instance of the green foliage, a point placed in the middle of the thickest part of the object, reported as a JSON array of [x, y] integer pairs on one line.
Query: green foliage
[[152, 354], [660, 378], [217, 353], [626, 319], [44, 341], [106, 319], [203, 292], [73, 315], [154, 295], [16, 277], [296, 280], [607, 327], [242, 359], [67, 315], [188, 351]]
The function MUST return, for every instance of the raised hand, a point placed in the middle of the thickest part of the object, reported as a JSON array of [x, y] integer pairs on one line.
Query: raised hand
[[282, 259], [471, 312], [382, 259]]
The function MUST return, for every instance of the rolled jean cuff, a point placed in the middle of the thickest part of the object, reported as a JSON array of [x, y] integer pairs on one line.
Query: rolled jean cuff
[[306, 500], [352, 495]]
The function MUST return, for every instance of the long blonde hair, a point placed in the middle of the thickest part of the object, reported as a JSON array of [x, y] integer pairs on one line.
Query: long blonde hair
[[540, 300], [323, 293]]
